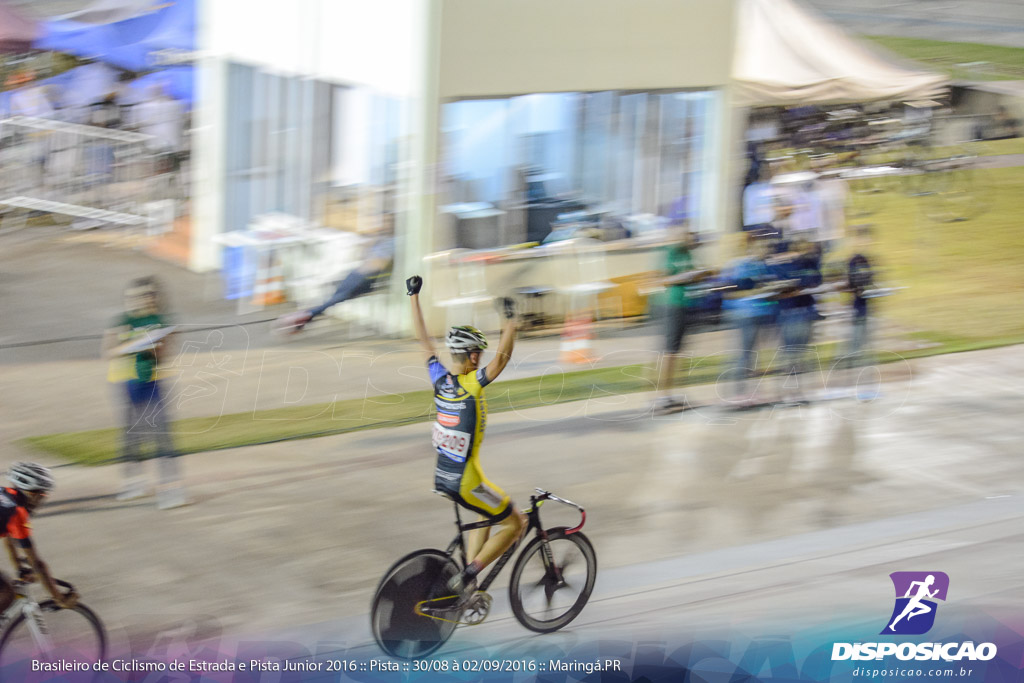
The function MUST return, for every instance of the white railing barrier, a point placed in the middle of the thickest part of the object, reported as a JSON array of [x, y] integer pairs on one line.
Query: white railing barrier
[[95, 175]]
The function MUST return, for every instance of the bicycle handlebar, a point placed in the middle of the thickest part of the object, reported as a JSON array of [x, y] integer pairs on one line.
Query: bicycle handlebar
[[68, 588], [547, 495]]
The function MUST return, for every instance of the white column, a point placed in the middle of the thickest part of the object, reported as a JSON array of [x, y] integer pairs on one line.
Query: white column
[[415, 231], [720, 202], [209, 163]]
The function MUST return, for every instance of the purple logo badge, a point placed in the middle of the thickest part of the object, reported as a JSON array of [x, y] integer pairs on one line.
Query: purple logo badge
[[916, 593]]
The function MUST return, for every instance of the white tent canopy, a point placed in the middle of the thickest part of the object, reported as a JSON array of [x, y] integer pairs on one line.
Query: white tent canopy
[[785, 54], [111, 11]]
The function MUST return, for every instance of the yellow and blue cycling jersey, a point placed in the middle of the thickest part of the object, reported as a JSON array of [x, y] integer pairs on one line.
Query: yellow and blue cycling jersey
[[458, 434]]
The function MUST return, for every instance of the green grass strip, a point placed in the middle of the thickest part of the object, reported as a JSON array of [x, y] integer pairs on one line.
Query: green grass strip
[[194, 435], [986, 62]]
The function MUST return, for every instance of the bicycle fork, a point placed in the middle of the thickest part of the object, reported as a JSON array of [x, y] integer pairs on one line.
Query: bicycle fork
[[37, 627], [549, 561], [551, 570]]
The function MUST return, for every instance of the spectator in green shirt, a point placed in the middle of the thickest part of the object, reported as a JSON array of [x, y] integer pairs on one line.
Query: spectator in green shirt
[[145, 407], [679, 277]]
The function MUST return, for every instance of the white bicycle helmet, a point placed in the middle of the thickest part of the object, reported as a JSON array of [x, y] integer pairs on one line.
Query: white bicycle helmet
[[465, 338], [28, 476]]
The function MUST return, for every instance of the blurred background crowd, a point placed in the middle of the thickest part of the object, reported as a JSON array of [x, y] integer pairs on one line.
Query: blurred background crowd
[[769, 172], [208, 209]]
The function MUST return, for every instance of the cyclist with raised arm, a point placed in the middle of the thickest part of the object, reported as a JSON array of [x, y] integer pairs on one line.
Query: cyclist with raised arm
[[459, 432], [29, 485]]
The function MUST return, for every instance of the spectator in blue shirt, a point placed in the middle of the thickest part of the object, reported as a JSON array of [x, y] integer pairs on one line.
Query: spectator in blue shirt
[[750, 306], [798, 271], [860, 277]]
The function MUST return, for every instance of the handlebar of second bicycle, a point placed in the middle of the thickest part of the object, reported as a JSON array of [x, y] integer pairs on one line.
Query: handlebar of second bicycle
[[68, 587]]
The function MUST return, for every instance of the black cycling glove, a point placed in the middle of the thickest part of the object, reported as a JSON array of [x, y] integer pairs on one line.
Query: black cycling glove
[[507, 306], [413, 284]]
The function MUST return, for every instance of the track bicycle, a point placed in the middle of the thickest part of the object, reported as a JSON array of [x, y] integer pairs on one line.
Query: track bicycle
[[413, 612], [45, 632], [948, 185]]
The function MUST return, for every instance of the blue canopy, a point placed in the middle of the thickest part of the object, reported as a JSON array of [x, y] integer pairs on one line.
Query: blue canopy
[[177, 30], [128, 44]]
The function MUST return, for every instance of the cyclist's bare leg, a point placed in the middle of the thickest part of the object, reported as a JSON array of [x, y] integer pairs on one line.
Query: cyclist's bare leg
[[506, 533], [476, 540]]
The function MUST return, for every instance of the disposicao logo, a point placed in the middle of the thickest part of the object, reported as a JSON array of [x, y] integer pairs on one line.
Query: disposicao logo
[[913, 615], [916, 593]]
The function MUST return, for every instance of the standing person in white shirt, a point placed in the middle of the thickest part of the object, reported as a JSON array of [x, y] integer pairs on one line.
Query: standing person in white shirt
[[32, 100], [128, 97], [759, 202], [808, 212], [162, 117], [833, 193]]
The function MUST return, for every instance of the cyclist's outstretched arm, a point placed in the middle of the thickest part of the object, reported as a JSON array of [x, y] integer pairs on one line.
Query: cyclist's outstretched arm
[[506, 343], [412, 286], [43, 572]]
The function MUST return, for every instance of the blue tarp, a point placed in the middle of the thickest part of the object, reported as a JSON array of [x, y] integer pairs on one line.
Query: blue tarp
[[177, 30], [128, 44]]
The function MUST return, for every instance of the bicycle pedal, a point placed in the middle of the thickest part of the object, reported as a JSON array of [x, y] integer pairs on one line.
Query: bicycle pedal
[[477, 609]]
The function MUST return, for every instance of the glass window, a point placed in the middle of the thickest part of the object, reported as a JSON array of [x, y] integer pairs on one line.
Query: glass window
[[605, 154]]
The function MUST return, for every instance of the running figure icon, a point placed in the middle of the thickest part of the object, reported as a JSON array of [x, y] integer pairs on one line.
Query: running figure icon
[[917, 594], [915, 607]]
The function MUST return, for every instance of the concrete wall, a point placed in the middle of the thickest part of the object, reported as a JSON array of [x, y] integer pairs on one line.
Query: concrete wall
[[345, 41], [503, 47], [498, 48], [436, 50], [376, 44]]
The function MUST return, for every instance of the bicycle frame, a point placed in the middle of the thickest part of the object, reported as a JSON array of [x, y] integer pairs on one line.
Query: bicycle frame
[[23, 603], [11, 612], [533, 522]]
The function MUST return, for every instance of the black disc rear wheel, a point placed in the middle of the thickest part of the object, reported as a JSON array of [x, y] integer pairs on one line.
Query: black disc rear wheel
[[397, 628]]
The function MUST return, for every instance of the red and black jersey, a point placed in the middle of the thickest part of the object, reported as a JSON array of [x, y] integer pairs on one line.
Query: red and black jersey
[[14, 517]]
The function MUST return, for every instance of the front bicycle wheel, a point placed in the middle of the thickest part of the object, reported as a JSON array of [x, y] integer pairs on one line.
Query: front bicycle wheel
[[397, 628], [548, 590], [51, 634]]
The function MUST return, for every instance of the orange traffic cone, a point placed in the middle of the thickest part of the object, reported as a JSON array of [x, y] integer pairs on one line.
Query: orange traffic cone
[[270, 289], [576, 338]]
